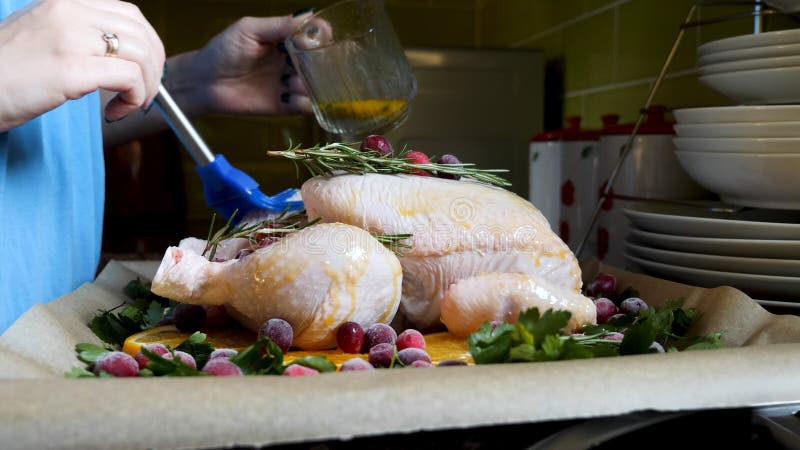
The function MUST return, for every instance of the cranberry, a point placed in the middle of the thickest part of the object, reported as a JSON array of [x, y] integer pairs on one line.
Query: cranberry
[[410, 339], [377, 143], [296, 370], [604, 285], [350, 337], [158, 349], [118, 364], [356, 364], [280, 331], [418, 158], [222, 367], [605, 309], [449, 160], [633, 306]]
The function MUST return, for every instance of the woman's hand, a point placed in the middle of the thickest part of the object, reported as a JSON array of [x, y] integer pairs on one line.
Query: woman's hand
[[241, 71], [53, 51]]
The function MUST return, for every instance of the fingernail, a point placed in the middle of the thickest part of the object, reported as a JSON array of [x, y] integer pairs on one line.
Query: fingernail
[[164, 73], [289, 62], [302, 11], [285, 97], [285, 79], [108, 120], [149, 107], [282, 47]]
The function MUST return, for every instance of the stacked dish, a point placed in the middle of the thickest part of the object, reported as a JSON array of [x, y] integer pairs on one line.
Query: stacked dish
[[749, 155], [756, 251], [753, 69]]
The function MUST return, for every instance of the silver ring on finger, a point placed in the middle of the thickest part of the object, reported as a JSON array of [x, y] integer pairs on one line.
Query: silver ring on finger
[[112, 43]]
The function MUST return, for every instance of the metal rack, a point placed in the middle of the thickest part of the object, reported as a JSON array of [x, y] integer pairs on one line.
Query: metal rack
[[760, 10]]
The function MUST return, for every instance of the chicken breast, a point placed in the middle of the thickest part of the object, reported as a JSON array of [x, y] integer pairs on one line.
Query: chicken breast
[[316, 279], [502, 296], [460, 229]]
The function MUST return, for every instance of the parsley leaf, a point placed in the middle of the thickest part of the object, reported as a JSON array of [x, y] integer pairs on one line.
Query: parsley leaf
[[318, 363], [197, 346], [261, 358], [489, 346], [78, 372], [160, 366], [89, 353]]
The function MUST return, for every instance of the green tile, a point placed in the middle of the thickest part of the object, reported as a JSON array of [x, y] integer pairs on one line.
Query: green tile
[[507, 22], [573, 106], [647, 30], [588, 52], [433, 27], [551, 44], [625, 102]]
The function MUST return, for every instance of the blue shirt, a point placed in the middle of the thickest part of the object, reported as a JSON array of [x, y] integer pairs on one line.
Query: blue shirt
[[51, 202]]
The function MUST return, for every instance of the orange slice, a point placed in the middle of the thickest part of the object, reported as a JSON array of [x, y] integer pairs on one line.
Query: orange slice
[[440, 346]]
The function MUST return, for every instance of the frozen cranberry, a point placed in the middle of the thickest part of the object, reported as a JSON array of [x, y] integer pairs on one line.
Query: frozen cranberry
[[633, 306], [614, 336], [350, 337], [280, 331], [182, 357], [605, 309], [604, 285], [296, 370], [420, 363], [381, 355], [410, 339], [377, 143], [356, 364], [418, 158], [226, 353], [222, 367], [217, 316], [450, 160], [379, 333], [409, 355], [158, 349], [118, 364]]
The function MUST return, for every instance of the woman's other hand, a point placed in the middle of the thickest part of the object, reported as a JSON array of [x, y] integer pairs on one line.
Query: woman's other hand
[[242, 70], [54, 50]]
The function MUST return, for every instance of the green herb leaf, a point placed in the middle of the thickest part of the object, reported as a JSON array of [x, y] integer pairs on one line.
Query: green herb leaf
[[89, 353], [197, 346], [491, 347], [160, 366], [79, 372], [639, 337], [551, 322], [261, 358], [318, 363]]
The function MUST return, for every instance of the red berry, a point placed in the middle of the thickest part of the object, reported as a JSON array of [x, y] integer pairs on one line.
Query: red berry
[[296, 370], [379, 333], [450, 160], [410, 338], [226, 353], [614, 336], [118, 364], [605, 309], [280, 331], [217, 316], [409, 355], [356, 364], [377, 143], [222, 367], [350, 337], [381, 355], [418, 158], [420, 363], [633, 306], [189, 317], [158, 349], [604, 285], [182, 357]]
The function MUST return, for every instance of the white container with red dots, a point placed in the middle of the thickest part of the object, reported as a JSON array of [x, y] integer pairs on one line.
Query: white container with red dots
[[571, 155], [651, 171]]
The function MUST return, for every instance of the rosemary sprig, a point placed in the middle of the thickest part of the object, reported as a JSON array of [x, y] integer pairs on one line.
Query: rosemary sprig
[[347, 157], [288, 222]]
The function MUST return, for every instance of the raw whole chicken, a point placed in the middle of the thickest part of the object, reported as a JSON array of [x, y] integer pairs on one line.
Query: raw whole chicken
[[502, 296], [316, 279], [460, 229]]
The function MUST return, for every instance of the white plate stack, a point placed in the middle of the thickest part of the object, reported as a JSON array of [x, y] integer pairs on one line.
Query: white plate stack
[[756, 251], [754, 69]]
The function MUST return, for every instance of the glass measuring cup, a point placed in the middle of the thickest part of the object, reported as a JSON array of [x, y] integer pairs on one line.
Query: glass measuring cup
[[354, 69]]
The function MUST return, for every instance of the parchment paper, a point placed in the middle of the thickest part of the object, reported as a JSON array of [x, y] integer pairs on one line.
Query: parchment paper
[[41, 409]]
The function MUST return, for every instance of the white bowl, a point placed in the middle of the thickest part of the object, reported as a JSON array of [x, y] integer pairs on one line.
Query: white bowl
[[749, 64], [738, 145], [725, 114], [750, 40], [768, 51], [747, 179], [763, 86], [739, 130]]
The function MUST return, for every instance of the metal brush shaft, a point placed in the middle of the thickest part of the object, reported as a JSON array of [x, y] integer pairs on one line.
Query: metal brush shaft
[[184, 129]]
